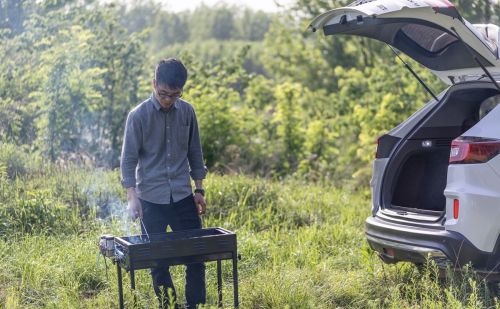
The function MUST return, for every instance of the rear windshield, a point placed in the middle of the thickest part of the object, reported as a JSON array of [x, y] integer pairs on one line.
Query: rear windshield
[[431, 39]]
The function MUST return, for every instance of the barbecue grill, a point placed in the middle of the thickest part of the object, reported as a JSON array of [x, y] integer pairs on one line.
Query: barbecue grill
[[173, 248]]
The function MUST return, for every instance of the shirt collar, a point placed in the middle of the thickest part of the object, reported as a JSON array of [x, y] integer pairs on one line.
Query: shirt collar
[[158, 106]]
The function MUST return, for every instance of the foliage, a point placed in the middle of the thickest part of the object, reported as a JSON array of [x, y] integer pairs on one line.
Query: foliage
[[212, 51], [300, 248], [16, 162], [272, 99], [288, 125], [220, 22], [486, 11], [121, 64], [68, 96], [45, 202]]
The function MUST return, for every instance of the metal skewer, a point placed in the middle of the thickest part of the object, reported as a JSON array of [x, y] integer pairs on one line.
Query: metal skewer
[[144, 227]]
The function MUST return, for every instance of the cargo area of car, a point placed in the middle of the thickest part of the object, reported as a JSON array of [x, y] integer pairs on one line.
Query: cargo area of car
[[422, 179], [419, 167]]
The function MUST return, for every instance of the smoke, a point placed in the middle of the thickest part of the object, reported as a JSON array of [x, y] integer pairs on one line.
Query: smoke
[[105, 196]]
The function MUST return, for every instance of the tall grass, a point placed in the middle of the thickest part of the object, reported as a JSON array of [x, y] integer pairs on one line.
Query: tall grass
[[302, 246]]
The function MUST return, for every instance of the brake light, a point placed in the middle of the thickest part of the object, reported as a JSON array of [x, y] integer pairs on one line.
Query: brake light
[[468, 150], [444, 7], [456, 208], [440, 3]]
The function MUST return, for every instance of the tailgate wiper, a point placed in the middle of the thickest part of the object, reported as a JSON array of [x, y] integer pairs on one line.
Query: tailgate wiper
[[469, 49], [414, 73]]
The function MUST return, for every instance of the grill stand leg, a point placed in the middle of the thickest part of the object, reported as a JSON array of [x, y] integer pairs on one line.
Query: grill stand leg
[[235, 279], [219, 282], [120, 287], [132, 286]]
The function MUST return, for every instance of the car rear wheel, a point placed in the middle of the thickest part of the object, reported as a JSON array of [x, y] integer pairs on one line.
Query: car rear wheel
[[494, 287]]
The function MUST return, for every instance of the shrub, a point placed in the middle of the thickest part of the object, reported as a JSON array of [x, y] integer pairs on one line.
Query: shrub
[[16, 161]]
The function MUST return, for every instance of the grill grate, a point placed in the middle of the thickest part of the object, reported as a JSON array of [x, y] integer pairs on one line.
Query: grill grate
[[145, 251]]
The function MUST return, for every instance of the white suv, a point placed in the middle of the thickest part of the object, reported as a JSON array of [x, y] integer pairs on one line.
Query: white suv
[[436, 177]]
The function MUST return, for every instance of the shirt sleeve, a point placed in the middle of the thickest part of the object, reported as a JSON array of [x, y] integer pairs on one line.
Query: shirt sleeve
[[195, 153], [132, 141]]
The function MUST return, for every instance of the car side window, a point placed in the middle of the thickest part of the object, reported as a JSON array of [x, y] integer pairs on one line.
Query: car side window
[[488, 105]]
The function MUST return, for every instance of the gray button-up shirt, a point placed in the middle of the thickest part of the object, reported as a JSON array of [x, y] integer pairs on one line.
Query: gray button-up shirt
[[161, 150]]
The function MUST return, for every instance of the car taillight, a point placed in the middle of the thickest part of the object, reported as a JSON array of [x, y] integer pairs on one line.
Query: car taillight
[[385, 144], [442, 3], [468, 150], [456, 208]]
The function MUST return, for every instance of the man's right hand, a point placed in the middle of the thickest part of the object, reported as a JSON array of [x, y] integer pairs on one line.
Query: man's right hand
[[134, 205]]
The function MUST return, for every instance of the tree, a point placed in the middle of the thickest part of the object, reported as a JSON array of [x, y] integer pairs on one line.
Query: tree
[[168, 29], [120, 57], [213, 91], [12, 15], [479, 11], [251, 25], [68, 87], [288, 125], [212, 23], [69, 80]]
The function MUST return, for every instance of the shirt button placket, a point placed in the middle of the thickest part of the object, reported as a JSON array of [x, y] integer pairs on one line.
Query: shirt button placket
[[167, 131], [169, 148]]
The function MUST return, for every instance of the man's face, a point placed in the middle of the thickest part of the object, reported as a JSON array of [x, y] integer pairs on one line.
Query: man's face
[[166, 95]]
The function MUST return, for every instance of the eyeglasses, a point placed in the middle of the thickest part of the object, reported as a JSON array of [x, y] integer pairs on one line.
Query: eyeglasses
[[172, 96]]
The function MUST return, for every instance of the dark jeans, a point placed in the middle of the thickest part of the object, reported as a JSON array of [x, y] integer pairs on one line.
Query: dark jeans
[[182, 215]]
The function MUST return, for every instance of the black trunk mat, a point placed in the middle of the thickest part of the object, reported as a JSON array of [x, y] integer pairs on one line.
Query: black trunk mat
[[422, 181]]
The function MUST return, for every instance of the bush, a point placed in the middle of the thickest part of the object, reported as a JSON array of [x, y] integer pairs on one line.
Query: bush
[[38, 212], [56, 200], [16, 161]]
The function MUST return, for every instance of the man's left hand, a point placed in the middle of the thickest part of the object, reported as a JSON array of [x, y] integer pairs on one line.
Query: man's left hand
[[200, 202]]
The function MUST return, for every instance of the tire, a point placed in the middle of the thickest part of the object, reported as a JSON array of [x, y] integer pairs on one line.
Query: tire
[[494, 288]]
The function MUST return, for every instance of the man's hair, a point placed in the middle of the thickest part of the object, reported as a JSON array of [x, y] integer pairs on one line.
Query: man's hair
[[171, 72]]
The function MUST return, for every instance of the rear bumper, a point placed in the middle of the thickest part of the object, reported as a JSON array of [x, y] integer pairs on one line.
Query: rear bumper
[[397, 242]]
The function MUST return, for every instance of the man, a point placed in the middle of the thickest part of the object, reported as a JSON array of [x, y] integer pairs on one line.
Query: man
[[161, 151]]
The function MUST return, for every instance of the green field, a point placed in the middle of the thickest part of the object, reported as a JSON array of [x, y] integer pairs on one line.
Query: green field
[[289, 122], [302, 246]]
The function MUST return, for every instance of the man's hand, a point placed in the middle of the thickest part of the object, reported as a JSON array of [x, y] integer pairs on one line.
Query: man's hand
[[200, 202], [134, 205]]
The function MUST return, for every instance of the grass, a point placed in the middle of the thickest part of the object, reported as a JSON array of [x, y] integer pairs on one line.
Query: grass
[[302, 246]]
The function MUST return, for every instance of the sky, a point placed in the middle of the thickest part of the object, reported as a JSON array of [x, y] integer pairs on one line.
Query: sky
[[264, 5]]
